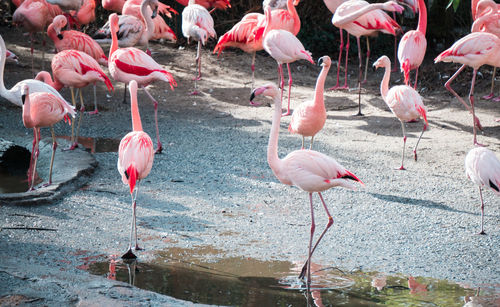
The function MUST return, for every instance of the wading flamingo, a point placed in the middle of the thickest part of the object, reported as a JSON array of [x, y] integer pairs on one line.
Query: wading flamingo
[[310, 116], [360, 18], [309, 170], [135, 159], [483, 168], [474, 50], [197, 24], [411, 49], [127, 64], [403, 101], [42, 109], [284, 47], [75, 69]]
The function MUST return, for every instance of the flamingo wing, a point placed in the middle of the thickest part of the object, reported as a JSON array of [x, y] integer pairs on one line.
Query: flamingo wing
[[135, 157], [405, 103]]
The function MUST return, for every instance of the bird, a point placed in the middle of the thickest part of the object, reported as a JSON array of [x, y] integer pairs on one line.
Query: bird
[[310, 116], [86, 14], [208, 4], [135, 160], [483, 168], [34, 16], [42, 109], [412, 46], [126, 64], [11, 56], [74, 69], [14, 94], [197, 24], [309, 170], [404, 102], [360, 18], [474, 50], [487, 19], [284, 47], [113, 5], [76, 40]]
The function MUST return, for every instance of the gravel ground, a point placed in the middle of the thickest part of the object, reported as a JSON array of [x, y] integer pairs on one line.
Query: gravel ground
[[212, 185]]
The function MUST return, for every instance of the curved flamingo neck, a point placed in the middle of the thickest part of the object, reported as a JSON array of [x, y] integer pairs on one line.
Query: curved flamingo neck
[[134, 109], [27, 121], [114, 39], [339, 21], [319, 98], [473, 5], [422, 17], [45, 77], [296, 19], [384, 85], [267, 28], [272, 146], [51, 32], [150, 27]]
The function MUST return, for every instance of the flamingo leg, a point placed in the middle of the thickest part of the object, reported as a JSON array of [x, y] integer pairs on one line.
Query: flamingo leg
[[313, 226], [328, 225], [359, 78], [482, 212], [43, 51], [289, 89], [416, 78], [338, 63], [35, 157], [253, 71], [491, 95], [302, 142], [404, 146], [281, 80], [198, 67], [54, 147], [312, 141], [159, 147], [30, 169], [367, 57], [32, 56], [418, 141], [346, 60], [450, 89], [471, 99], [125, 94], [82, 109], [129, 254], [72, 139], [96, 111]]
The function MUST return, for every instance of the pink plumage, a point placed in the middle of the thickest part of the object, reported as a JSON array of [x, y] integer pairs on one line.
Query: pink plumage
[[310, 116], [113, 5], [483, 168]]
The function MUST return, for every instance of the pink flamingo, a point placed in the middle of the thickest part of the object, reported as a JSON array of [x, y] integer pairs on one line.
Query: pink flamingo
[[483, 168], [10, 56], [43, 109], [67, 40], [474, 50], [310, 116], [486, 19], [403, 101], [209, 4], [113, 5], [135, 159], [359, 18], [86, 14], [127, 64], [309, 170], [284, 47], [411, 49], [74, 69], [198, 24], [34, 16]]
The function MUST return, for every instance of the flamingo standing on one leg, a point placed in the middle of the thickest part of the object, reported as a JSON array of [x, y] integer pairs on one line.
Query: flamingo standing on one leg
[[197, 24], [76, 40], [309, 170], [284, 47], [310, 116], [403, 101], [127, 64], [411, 49], [42, 109], [359, 18], [475, 49], [483, 168], [75, 69], [135, 159]]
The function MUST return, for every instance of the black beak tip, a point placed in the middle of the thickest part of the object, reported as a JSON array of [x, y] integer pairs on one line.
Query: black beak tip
[[23, 98], [155, 12], [252, 96], [320, 62], [60, 36]]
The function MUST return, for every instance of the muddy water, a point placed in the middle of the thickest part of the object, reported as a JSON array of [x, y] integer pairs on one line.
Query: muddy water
[[205, 276], [96, 145], [13, 183]]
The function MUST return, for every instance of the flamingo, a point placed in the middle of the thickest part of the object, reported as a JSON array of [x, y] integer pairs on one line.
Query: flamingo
[[487, 20], [130, 63], [113, 5], [208, 4], [15, 93], [198, 24], [403, 101], [67, 5], [11, 56], [309, 170], [74, 69], [42, 109], [67, 40], [411, 49], [135, 159], [483, 168], [359, 18], [284, 47], [34, 16], [86, 14], [474, 50], [310, 116]]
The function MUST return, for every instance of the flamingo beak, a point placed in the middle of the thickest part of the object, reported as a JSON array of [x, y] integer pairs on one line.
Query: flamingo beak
[[155, 12], [320, 62], [60, 36], [23, 98]]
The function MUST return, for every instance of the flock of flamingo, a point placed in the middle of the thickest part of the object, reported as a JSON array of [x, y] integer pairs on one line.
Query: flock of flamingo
[[80, 58]]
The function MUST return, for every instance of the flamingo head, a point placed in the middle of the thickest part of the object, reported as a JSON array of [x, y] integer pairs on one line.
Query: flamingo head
[[24, 93], [59, 22], [383, 61], [113, 22], [269, 90], [324, 61], [153, 4], [392, 6]]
